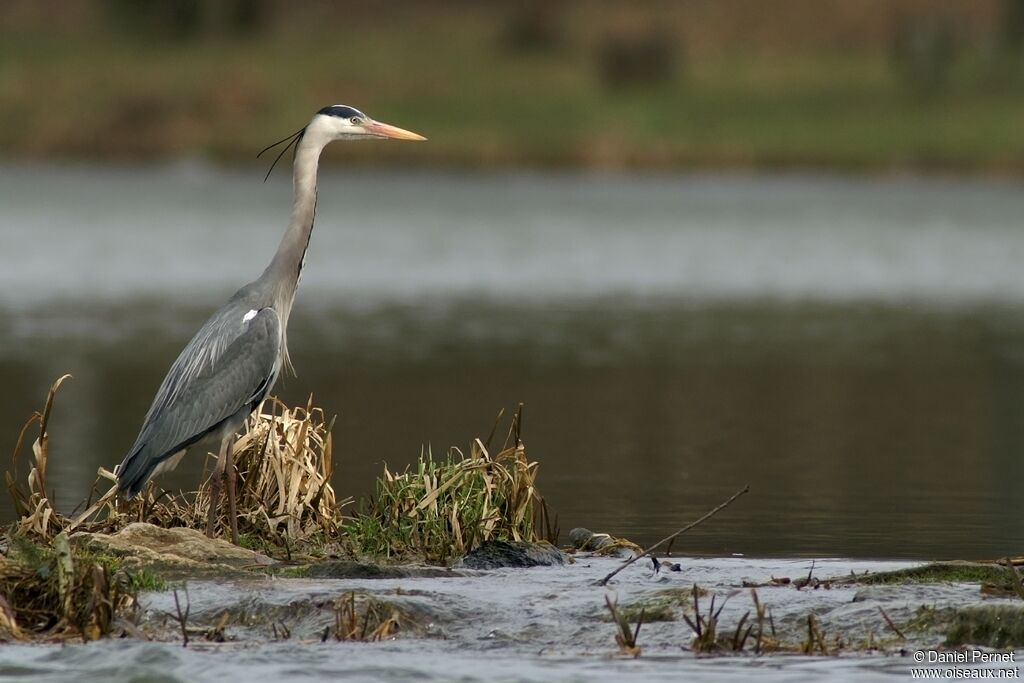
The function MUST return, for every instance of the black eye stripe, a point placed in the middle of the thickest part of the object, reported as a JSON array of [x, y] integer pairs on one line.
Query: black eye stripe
[[342, 111]]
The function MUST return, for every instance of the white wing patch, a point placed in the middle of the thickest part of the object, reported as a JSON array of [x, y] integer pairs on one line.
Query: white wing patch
[[249, 316]]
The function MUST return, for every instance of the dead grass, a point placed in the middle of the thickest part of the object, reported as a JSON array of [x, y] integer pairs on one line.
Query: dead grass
[[625, 637], [48, 593], [757, 628], [370, 621], [284, 461], [36, 515], [704, 626]]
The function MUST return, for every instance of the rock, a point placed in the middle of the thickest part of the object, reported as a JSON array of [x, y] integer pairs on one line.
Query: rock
[[602, 544], [585, 539], [176, 551], [500, 554]]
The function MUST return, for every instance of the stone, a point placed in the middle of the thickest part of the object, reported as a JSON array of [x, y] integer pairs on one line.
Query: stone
[[177, 551], [585, 539], [502, 554]]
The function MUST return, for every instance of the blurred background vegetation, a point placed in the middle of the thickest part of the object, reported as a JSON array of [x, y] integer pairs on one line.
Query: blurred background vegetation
[[871, 84]]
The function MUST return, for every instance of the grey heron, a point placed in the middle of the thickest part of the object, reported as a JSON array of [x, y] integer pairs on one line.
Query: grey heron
[[232, 362]]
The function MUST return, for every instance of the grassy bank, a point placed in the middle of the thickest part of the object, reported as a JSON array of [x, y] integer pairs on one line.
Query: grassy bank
[[437, 510], [578, 85]]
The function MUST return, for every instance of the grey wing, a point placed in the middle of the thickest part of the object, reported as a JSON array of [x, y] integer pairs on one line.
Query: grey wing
[[229, 366]]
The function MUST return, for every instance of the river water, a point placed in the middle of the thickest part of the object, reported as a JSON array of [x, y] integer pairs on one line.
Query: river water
[[853, 349], [524, 626]]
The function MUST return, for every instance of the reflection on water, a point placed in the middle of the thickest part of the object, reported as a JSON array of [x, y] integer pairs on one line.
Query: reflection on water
[[853, 350]]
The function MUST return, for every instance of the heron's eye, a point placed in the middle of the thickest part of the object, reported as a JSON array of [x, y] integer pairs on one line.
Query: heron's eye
[[357, 121]]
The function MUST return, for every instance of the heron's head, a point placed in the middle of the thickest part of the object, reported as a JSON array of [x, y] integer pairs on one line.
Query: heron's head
[[342, 122], [338, 122]]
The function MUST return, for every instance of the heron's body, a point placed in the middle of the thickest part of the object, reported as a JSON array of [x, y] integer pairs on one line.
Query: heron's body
[[220, 377], [232, 362]]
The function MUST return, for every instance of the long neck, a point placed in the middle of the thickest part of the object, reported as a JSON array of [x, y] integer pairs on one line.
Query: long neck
[[286, 266]]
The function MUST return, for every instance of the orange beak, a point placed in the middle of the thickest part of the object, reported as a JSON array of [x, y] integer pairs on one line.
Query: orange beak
[[384, 130]]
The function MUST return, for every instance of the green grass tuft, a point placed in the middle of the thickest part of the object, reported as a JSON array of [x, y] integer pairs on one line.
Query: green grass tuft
[[299, 572], [145, 580], [440, 509], [939, 572], [1000, 627]]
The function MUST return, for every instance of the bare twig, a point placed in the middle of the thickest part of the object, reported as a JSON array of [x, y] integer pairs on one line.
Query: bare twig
[[806, 581], [667, 539], [891, 624], [182, 617]]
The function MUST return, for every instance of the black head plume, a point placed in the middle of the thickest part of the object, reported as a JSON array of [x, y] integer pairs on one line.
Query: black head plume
[[342, 111], [292, 140]]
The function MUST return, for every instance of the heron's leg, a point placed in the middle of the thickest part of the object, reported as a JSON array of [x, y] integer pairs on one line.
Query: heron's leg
[[232, 478], [216, 482]]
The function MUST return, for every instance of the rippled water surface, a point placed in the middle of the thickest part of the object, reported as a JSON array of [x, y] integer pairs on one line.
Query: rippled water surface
[[514, 625], [852, 349]]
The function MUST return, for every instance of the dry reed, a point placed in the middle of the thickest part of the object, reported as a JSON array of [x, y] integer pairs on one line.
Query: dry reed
[[284, 463], [625, 637], [375, 620], [50, 593], [36, 514]]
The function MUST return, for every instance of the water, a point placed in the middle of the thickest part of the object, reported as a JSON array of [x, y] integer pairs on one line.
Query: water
[[852, 349], [542, 624]]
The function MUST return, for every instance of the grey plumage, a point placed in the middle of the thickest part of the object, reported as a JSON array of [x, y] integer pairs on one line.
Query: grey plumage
[[232, 362], [226, 370]]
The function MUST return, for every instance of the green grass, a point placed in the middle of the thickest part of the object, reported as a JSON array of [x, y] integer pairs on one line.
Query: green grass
[[662, 606], [40, 557], [145, 580], [138, 579], [1000, 627], [88, 90], [52, 590], [439, 509], [300, 572], [940, 572]]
